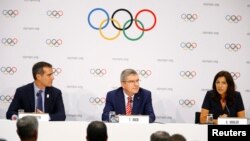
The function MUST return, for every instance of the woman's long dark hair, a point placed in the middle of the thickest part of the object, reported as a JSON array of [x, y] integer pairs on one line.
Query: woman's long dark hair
[[230, 93]]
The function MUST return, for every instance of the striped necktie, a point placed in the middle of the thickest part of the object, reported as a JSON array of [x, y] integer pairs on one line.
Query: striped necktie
[[129, 106]]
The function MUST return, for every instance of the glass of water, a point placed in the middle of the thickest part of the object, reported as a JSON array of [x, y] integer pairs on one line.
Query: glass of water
[[112, 117], [20, 111], [209, 119]]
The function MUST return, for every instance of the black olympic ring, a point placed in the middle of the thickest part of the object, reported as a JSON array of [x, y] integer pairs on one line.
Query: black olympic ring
[[233, 18], [130, 23], [118, 26], [11, 13], [9, 70], [99, 72], [9, 41], [54, 42], [232, 47], [97, 100], [189, 17], [144, 73], [186, 102], [188, 45], [6, 98], [188, 74], [235, 75], [55, 13], [57, 71]]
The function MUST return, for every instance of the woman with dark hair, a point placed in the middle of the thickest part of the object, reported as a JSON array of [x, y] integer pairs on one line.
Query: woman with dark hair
[[223, 100]]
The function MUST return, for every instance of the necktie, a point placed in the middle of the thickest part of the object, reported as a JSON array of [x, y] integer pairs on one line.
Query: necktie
[[39, 100], [129, 106]]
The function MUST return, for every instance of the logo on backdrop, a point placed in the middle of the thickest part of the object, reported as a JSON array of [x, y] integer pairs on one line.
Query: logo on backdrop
[[233, 18], [56, 71], [187, 74], [55, 13], [232, 47], [97, 100], [54, 42], [144, 73], [9, 41], [121, 26], [187, 102], [189, 17], [235, 75], [188, 45], [8, 70], [6, 98], [10, 13], [98, 72]]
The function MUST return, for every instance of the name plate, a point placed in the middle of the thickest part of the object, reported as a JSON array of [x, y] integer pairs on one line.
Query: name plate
[[134, 119], [232, 121], [40, 117]]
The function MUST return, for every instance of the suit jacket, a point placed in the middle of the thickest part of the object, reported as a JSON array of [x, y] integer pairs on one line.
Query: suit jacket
[[142, 104], [24, 98]]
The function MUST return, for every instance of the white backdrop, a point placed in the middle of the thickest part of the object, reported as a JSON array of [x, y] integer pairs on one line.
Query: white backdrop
[[177, 59]]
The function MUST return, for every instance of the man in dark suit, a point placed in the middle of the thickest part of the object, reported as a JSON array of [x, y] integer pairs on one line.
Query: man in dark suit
[[39, 96], [129, 99]]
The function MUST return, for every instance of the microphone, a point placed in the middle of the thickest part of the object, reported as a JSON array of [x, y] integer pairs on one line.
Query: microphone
[[229, 115], [131, 101]]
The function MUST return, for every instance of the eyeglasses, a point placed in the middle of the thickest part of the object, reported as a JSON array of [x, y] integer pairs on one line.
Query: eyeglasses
[[132, 81]]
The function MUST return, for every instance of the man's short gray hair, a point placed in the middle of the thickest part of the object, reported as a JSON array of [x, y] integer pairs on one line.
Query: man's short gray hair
[[160, 136], [26, 127], [125, 73]]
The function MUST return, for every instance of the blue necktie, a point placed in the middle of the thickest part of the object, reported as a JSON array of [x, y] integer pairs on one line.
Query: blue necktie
[[39, 100]]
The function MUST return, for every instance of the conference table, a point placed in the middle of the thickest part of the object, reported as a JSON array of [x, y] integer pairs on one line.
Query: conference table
[[76, 131]]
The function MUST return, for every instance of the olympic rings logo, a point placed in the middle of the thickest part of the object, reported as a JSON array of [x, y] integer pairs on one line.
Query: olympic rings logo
[[232, 47], [98, 72], [189, 17], [8, 70], [6, 98], [56, 71], [9, 41], [54, 13], [54, 42], [144, 73], [97, 100], [233, 18], [10, 13], [235, 75], [187, 102], [117, 25], [188, 45], [188, 74]]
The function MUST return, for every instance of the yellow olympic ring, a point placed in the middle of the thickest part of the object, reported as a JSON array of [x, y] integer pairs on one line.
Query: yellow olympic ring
[[111, 38]]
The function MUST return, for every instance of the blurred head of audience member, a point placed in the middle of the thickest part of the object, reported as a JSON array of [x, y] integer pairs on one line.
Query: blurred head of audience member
[[97, 131], [177, 137], [160, 136], [27, 128]]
